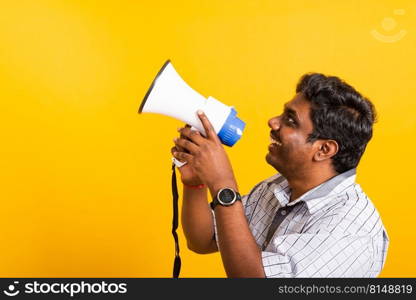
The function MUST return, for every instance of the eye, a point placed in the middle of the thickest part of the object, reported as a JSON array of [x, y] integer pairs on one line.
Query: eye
[[289, 120]]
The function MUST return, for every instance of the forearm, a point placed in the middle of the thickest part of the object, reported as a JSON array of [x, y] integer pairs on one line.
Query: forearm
[[197, 221], [239, 251]]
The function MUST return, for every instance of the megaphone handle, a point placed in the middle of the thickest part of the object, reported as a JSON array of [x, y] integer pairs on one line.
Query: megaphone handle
[[178, 163]]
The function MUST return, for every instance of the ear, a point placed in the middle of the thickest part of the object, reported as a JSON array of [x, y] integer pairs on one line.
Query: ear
[[325, 149]]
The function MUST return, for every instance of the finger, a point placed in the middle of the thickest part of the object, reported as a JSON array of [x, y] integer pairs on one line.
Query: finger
[[186, 126], [182, 136], [182, 156], [186, 145], [209, 130], [192, 135], [174, 150], [178, 147]]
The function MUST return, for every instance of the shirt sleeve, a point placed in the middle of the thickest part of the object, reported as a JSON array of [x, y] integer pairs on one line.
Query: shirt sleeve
[[319, 255]]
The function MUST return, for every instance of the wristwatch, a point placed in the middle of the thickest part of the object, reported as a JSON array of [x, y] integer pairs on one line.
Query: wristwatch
[[225, 197]]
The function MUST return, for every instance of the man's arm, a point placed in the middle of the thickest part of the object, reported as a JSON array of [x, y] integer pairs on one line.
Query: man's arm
[[240, 254], [239, 251], [196, 217], [197, 221]]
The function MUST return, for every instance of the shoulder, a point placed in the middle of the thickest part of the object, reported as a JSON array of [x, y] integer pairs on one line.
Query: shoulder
[[354, 212], [262, 188]]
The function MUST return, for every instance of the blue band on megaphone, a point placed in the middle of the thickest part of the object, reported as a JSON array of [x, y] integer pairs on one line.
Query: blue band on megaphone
[[232, 129]]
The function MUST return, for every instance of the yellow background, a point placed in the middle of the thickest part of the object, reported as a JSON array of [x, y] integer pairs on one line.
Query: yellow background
[[85, 180]]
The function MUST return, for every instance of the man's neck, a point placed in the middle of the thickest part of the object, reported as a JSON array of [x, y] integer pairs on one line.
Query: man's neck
[[300, 185]]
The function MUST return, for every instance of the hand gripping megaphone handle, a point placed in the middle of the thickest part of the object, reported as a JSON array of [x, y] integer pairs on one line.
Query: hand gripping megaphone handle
[[178, 163]]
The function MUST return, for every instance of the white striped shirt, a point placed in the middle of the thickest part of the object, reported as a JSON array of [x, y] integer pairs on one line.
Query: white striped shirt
[[333, 230]]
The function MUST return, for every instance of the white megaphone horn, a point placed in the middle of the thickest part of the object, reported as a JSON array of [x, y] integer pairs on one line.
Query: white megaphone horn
[[170, 95]]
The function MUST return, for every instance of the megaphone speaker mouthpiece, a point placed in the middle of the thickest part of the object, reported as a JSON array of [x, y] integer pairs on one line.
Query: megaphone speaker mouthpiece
[[170, 95]]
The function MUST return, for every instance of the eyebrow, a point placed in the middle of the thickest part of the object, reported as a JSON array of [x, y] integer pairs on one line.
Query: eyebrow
[[291, 111]]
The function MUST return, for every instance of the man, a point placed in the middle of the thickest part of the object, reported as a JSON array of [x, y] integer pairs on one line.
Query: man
[[311, 219]]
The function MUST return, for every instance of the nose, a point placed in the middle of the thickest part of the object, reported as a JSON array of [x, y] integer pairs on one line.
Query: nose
[[274, 123]]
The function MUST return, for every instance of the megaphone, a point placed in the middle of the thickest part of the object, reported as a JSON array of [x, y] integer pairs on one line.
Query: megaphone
[[170, 95]]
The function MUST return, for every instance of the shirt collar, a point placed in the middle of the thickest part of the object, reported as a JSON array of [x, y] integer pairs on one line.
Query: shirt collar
[[320, 195]]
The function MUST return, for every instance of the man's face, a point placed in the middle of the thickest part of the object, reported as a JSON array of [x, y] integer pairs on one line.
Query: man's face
[[290, 153]]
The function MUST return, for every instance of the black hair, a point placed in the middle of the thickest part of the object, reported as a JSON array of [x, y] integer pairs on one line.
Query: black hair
[[340, 113]]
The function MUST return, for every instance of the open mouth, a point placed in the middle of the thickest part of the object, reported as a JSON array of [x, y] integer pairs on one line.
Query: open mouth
[[274, 141]]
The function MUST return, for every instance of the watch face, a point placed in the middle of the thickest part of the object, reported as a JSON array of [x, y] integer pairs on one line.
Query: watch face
[[226, 196]]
